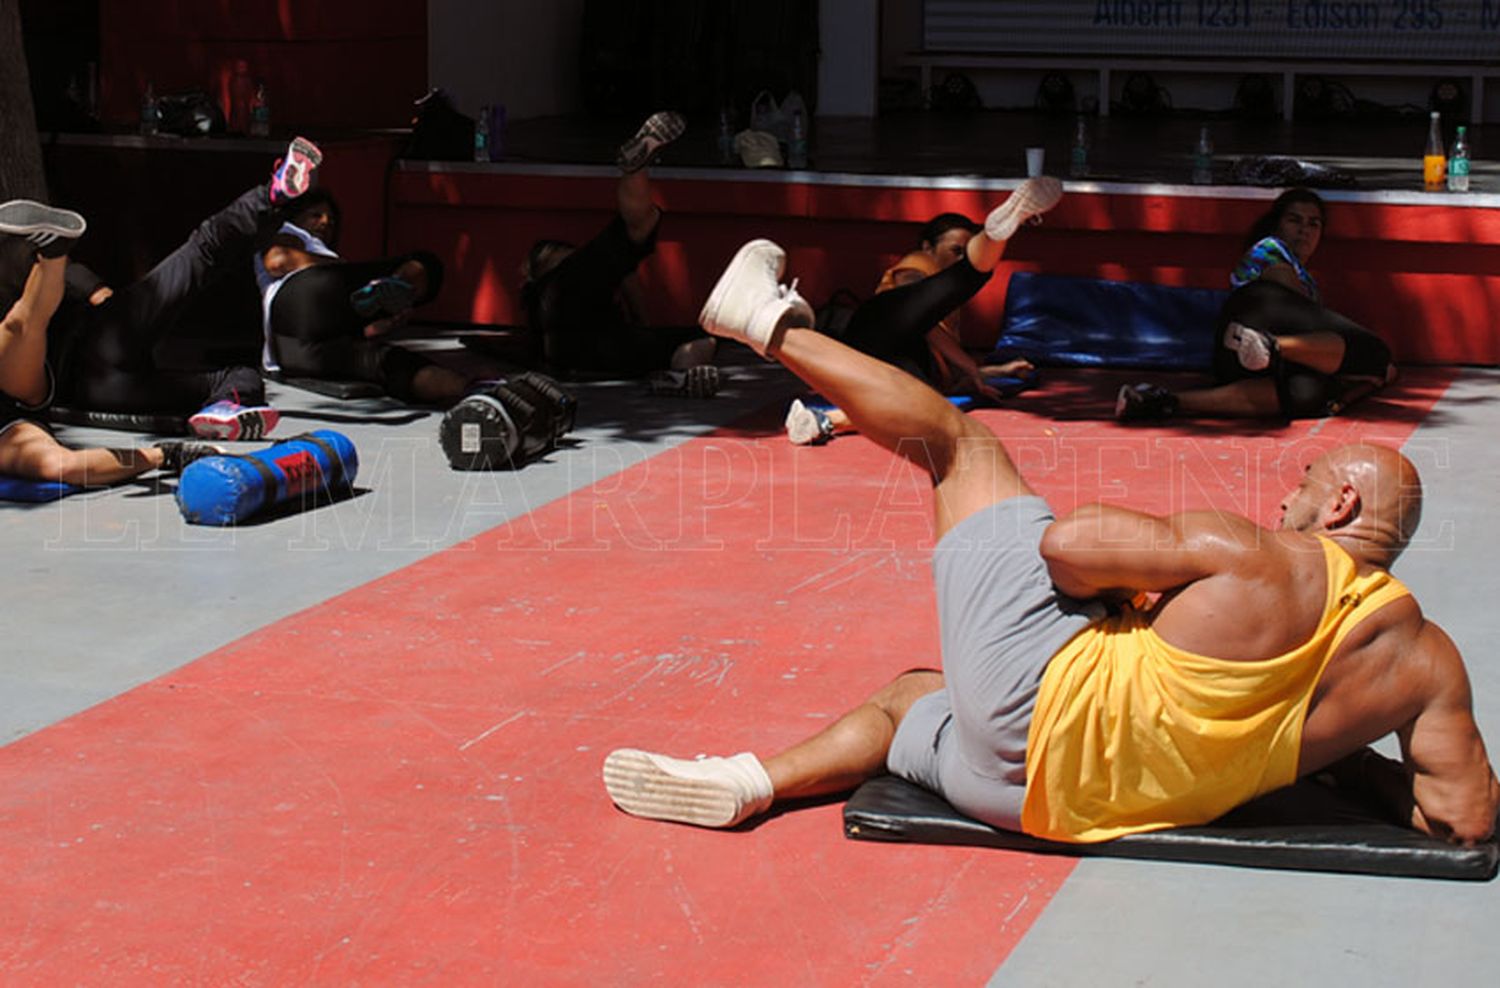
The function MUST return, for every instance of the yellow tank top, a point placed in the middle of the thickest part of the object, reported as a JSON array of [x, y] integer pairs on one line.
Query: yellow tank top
[[1131, 734]]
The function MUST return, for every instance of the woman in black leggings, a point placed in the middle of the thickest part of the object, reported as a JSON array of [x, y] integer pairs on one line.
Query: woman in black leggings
[[324, 315], [103, 347], [1279, 352], [911, 320]]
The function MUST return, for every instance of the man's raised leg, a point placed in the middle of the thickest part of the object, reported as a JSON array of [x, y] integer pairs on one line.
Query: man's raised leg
[[970, 471], [969, 467]]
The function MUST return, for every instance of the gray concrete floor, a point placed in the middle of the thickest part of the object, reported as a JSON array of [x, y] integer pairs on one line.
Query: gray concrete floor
[[112, 588]]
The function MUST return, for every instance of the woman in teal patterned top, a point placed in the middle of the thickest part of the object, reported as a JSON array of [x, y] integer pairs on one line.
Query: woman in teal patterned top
[[1280, 352]]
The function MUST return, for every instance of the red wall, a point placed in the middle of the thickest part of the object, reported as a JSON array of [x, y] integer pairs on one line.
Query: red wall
[[326, 63], [1427, 278]]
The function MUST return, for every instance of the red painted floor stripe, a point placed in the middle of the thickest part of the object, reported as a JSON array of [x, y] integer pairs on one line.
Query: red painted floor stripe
[[401, 786]]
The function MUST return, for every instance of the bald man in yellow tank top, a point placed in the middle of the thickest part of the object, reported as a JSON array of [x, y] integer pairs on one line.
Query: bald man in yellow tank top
[[1112, 672]]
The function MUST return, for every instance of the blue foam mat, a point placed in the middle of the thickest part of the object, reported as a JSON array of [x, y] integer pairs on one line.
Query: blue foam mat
[[1092, 322], [34, 491]]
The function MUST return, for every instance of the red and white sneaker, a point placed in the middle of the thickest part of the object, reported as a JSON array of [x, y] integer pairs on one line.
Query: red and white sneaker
[[232, 421], [749, 304], [293, 174]]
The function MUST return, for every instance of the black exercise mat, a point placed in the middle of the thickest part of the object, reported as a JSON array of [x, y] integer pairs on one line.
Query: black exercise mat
[[156, 425], [332, 389], [1304, 827]]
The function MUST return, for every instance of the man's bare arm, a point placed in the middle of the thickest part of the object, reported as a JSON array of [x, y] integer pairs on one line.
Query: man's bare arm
[[1454, 788], [1100, 549]]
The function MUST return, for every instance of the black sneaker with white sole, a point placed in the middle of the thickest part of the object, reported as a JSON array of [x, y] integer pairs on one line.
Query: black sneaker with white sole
[[177, 454], [52, 231], [659, 130], [1144, 403], [702, 381]]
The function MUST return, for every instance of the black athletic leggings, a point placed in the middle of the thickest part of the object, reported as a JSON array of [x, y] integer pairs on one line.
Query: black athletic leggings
[[1280, 311], [104, 352], [574, 308], [893, 325], [315, 331]]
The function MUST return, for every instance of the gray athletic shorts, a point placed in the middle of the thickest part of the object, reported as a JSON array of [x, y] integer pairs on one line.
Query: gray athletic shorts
[[1001, 621]]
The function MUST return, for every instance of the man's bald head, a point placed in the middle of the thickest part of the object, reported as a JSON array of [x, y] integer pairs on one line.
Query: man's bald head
[[1363, 491]]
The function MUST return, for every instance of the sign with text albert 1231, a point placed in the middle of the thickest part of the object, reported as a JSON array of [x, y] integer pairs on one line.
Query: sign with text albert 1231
[[1425, 30]]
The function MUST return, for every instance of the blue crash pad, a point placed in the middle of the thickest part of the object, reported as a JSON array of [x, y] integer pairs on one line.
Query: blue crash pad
[[34, 491], [1091, 322]]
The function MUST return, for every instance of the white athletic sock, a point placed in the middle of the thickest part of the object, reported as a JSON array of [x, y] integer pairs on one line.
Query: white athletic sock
[[707, 792]]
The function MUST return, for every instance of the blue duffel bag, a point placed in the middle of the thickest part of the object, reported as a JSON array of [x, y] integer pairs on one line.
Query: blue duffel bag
[[224, 490]]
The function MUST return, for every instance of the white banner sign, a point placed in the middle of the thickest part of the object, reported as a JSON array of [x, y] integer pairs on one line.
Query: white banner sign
[[1425, 30]]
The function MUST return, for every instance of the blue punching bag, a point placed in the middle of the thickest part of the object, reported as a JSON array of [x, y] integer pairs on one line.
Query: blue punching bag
[[223, 490]]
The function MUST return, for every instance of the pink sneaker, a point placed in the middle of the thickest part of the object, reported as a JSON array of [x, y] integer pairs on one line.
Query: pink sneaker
[[232, 421], [294, 173], [749, 303]]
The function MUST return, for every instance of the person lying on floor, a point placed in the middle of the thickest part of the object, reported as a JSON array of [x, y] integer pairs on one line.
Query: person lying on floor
[[102, 344], [1279, 352], [323, 316], [1112, 672], [912, 319], [28, 450], [586, 302]]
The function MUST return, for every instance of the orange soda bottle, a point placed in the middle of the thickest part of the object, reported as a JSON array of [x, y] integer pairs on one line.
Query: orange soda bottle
[[1435, 159]]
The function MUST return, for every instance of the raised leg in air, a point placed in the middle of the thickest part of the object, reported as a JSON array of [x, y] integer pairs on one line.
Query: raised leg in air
[[970, 470]]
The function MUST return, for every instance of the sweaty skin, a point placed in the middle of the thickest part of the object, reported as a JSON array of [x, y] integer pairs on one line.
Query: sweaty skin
[[1236, 591]]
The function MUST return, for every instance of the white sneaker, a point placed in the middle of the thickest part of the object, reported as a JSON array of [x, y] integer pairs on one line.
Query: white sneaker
[[1253, 347], [707, 792], [749, 302], [1032, 197], [807, 426]]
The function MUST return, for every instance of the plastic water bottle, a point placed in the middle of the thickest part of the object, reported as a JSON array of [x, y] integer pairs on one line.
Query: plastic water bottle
[[1458, 163], [1434, 160], [482, 135], [150, 112], [1078, 161], [796, 149], [260, 112], [1203, 159], [726, 136]]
